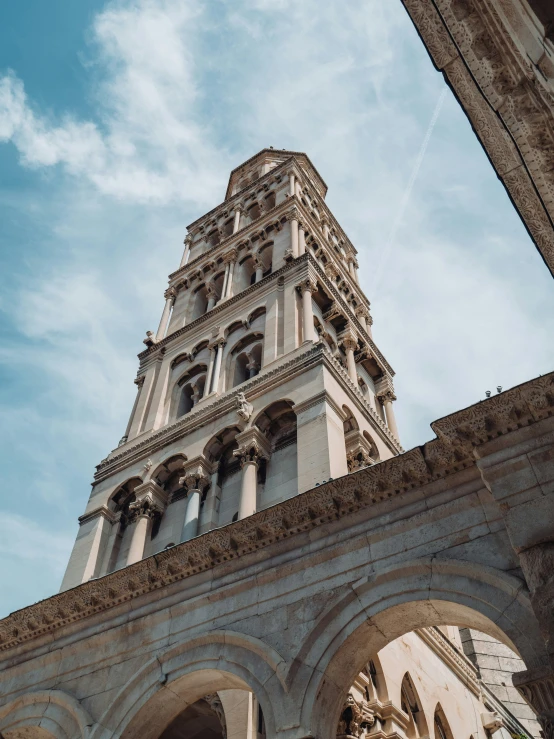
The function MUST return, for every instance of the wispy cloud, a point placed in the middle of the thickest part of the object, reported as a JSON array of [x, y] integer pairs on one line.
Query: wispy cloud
[[180, 92]]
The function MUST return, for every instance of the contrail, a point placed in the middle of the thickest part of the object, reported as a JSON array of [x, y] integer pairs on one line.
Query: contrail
[[407, 193]]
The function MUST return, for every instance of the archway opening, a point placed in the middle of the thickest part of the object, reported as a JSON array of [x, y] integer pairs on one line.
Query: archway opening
[[421, 663]]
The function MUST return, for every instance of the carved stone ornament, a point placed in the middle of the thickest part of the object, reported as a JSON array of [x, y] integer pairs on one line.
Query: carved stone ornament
[[170, 293], [244, 408], [150, 339], [533, 400], [307, 285], [144, 506], [355, 719], [292, 214], [251, 452], [214, 702], [230, 256]]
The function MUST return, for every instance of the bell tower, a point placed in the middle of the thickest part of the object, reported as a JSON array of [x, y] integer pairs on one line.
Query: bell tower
[[261, 381]]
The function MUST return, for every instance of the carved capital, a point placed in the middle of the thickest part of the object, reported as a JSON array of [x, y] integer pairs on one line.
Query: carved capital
[[292, 214], [196, 475], [230, 256], [145, 505], [170, 293], [188, 240], [139, 381], [307, 285], [253, 446]]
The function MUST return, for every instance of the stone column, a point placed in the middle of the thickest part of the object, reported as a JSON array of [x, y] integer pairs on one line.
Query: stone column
[[186, 253], [350, 343], [236, 223], [169, 295], [325, 225], [253, 448], [307, 288], [225, 281], [301, 239], [210, 290], [139, 382], [141, 514], [232, 261], [387, 400], [351, 268], [210, 371], [361, 315], [196, 480], [259, 267], [217, 366], [292, 217], [291, 184]]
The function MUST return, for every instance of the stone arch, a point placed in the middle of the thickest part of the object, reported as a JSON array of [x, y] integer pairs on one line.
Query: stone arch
[[219, 453], [279, 477], [187, 390], [45, 714], [220, 660], [244, 359], [256, 313], [404, 597]]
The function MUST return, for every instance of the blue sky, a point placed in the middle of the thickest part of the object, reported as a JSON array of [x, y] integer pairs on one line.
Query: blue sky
[[119, 124]]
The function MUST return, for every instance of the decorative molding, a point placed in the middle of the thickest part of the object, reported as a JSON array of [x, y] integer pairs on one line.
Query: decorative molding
[[463, 668], [530, 402], [508, 99]]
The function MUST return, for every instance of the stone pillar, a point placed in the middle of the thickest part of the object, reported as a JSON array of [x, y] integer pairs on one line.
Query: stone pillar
[[361, 315], [307, 288], [291, 184], [292, 217], [170, 295], [196, 480], [89, 548], [326, 229], [210, 372], [232, 263], [301, 239], [217, 366], [225, 283], [210, 289], [259, 267], [186, 251], [387, 400], [253, 448], [142, 512], [139, 382], [236, 223], [350, 343]]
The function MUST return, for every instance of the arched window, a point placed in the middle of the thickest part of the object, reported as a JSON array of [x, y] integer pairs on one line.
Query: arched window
[[228, 227], [441, 725], [200, 302], [190, 390], [248, 364], [269, 200], [213, 238], [254, 212], [410, 704]]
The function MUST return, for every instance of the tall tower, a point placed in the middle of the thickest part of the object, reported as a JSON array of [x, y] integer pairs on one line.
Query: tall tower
[[262, 380]]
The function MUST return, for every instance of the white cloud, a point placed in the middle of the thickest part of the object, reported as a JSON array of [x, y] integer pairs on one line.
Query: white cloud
[[147, 144], [178, 85]]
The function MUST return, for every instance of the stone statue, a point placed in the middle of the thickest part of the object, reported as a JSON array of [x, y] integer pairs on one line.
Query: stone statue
[[244, 408]]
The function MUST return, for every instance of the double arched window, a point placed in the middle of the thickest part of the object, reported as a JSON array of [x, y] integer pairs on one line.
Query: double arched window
[[190, 389]]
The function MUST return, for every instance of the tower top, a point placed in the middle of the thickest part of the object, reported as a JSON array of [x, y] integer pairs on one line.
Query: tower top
[[266, 159]]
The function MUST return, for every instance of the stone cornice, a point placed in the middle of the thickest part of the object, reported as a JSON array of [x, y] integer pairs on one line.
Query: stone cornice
[[463, 668], [508, 98], [521, 406]]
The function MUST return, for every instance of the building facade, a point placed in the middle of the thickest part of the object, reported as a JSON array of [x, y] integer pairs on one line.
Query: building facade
[[258, 557]]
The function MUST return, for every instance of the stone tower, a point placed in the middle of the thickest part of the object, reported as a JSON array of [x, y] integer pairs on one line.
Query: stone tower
[[261, 382]]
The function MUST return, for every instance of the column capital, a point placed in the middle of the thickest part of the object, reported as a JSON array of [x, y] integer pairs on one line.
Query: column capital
[[196, 475], [212, 346], [170, 293], [139, 381], [188, 239], [144, 506], [387, 396], [292, 214], [307, 285], [253, 446], [230, 256], [384, 387], [348, 339]]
